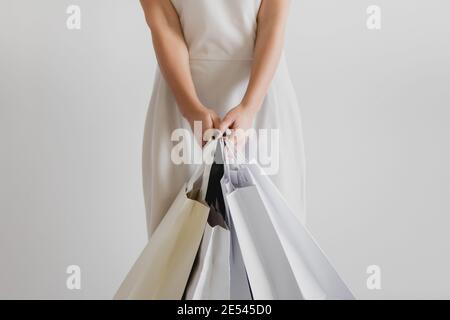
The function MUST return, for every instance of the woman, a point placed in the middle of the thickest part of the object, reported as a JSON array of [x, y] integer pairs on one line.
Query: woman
[[221, 63]]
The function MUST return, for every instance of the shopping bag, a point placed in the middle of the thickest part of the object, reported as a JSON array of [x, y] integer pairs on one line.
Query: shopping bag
[[210, 276], [239, 283], [315, 275], [162, 270], [268, 270]]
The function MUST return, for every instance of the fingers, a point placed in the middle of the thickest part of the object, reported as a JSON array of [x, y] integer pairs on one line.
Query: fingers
[[211, 128], [226, 123], [238, 137], [216, 123]]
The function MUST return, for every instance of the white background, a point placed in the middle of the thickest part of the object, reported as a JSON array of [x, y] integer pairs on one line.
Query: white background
[[375, 108]]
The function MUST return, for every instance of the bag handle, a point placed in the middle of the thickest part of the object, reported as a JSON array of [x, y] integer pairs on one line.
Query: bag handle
[[208, 153]]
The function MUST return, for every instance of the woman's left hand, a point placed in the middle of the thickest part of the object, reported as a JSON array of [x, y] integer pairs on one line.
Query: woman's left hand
[[239, 120]]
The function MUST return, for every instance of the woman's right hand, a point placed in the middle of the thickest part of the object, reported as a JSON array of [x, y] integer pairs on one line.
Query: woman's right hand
[[203, 121]]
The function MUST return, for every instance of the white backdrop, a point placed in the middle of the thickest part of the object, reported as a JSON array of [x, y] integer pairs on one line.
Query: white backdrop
[[375, 106]]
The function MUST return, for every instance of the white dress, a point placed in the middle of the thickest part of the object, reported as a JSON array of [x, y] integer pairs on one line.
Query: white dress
[[220, 35]]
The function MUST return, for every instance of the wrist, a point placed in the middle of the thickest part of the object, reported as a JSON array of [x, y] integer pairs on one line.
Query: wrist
[[188, 110], [253, 108]]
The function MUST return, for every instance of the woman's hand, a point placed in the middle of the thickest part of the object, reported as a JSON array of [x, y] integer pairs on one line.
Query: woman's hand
[[207, 123], [239, 120]]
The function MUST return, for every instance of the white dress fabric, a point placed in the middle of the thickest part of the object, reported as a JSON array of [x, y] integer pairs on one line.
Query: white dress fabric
[[220, 35]]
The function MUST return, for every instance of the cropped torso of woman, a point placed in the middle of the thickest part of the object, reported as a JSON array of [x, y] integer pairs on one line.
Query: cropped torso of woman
[[220, 62]]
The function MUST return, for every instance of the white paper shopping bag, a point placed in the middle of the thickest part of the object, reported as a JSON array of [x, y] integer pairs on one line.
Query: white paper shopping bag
[[314, 273], [210, 276], [268, 269], [239, 283], [162, 270]]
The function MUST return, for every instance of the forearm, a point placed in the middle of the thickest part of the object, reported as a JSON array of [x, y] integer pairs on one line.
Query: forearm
[[268, 48], [171, 52]]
